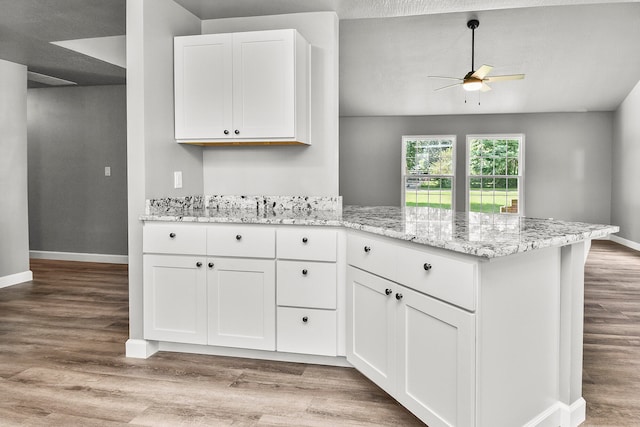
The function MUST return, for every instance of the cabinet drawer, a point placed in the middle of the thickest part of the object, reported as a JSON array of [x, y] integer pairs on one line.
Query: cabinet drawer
[[241, 241], [448, 279], [173, 239], [307, 244], [371, 254], [306, 284], [307, 331]]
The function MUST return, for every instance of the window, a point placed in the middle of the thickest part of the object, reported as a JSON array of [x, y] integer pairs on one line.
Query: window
[[495, 169], [428, 164]]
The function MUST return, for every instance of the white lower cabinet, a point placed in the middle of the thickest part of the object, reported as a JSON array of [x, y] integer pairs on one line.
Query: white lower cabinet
[[307, 331], [420, 350], [175, 302], [241, 295]]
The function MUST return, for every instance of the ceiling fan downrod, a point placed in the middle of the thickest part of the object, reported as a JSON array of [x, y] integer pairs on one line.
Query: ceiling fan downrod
[[473, 24]]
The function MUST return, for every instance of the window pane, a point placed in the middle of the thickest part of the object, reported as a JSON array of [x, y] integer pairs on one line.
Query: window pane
[[487, 147], [492, 163], [513, 146], [487, 165], [500, 148], [500, 166]]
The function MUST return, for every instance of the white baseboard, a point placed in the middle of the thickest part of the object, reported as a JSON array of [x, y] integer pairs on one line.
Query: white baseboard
[[628, 243], [14, 279], [73, 256], [140, 349], [254, 354]]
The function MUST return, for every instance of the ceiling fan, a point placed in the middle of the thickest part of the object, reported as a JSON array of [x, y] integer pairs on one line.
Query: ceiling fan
[[478, 79]]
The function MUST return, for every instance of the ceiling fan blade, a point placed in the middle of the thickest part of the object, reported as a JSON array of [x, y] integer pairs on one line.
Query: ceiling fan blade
[[446, 78], [485, 87], [503, 78], [481, 72], [447, 87]]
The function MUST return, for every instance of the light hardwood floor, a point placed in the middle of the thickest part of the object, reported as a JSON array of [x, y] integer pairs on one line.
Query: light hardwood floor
[[62, 363]]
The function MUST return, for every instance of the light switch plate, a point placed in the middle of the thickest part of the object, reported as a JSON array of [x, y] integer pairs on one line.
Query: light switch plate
[[107, 171], [177, 179]]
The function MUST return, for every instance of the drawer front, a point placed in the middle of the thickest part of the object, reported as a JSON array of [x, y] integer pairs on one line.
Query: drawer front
[[241, 241], [173, 239], [451, 280], [306, 284], [307, 244], [307, 331], [373, 255]]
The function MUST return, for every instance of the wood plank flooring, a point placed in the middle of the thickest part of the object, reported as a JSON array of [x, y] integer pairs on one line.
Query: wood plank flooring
[[611, 370], [62, 364], [62, 361]]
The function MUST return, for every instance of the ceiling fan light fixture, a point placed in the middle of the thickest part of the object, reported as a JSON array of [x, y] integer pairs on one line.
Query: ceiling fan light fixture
[[472, 85]]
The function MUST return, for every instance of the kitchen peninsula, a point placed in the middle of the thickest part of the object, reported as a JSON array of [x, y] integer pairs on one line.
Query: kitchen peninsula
[[466, 319]]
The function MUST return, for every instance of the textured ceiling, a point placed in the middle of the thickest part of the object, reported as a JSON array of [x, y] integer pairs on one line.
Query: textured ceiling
[[576, 58], [578, 55], [28, 26]]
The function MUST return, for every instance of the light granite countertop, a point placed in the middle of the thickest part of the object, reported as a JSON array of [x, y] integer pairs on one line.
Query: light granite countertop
[[483, 235]]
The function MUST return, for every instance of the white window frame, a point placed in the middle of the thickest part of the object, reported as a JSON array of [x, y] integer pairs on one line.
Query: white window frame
[[403, 166], [521, 166]]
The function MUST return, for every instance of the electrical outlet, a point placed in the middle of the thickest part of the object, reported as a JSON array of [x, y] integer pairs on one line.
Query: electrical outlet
[[177, 179], [107, 171]]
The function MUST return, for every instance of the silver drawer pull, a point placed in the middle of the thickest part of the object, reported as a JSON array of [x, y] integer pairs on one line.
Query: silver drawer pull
[[398, 296], [304, 272], [305, 240], [305, 319], [238, 236], [427, 266], [172, 235], [367, 249]]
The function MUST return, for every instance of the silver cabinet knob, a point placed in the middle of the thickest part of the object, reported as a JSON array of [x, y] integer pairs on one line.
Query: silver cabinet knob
[[304, 272], [388, 291], [367, 249], [238, 236], [210, 265], [172, 235], [305, 319], [305, 240], [198, 264], [237, 132], [398, 296], [427, 266], [226, 131]]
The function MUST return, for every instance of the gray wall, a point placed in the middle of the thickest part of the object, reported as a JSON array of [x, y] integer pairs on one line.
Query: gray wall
[[625, 194], [14, 243], [567, 159], [73, 133]]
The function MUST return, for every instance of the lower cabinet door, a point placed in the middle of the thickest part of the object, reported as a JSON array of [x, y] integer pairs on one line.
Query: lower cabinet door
[[436, 360], [174, 299], [307, 331], [371, 308], [242, 303]]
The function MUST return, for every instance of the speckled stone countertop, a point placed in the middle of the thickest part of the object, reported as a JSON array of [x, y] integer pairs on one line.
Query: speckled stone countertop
[[483, 235]]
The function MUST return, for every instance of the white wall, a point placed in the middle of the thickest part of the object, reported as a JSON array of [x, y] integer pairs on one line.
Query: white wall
[[287, 170], [567, 159], [152, 153], [625, 194], [14, 226]]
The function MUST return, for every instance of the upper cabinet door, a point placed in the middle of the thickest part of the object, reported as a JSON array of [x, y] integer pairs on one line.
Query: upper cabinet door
[[251, 87], [263, 84], [203, 86]]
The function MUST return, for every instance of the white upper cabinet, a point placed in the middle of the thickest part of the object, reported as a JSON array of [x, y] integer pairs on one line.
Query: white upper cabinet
[[250, 87]]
